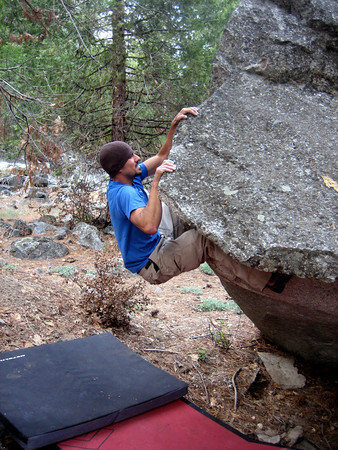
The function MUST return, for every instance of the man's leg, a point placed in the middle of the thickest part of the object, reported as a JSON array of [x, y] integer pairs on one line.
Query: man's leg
[[226, 267], [174, 256]]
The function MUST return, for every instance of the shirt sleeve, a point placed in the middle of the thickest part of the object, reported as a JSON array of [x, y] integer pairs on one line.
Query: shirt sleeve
[[129, 200]]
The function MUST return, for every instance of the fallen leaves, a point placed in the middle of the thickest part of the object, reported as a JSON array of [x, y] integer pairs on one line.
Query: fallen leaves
[[37, 340], [330, 183]]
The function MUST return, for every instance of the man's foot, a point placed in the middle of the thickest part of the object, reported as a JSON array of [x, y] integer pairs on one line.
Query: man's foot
[[277, 282]]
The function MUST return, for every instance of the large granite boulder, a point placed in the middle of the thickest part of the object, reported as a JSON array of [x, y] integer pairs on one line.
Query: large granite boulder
[[256, 169]]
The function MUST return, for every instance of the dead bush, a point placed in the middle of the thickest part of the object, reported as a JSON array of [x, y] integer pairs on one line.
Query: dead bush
[[75, 203], [109, 297], [80, 204]]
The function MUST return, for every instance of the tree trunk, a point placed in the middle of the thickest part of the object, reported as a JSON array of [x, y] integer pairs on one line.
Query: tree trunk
[[118, 65]]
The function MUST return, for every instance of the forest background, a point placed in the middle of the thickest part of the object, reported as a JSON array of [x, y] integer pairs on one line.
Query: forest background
[[75, 74]]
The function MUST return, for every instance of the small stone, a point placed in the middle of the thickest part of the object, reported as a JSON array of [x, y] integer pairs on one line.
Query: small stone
[[268, 439], [21, 228], [293, 435], [109, 230], [282, 370], [5, 225], [61, 234]]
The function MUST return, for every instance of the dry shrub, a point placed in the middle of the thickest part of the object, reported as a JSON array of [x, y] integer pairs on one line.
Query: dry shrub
[[110, 297], [75, 203], [79, 205], [42, 146], [44, 17]]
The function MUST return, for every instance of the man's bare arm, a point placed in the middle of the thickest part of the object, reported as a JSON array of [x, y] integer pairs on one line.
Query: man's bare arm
[[149, 217], [157, 160]]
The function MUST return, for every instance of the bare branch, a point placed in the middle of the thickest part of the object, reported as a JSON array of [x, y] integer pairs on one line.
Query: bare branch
[[77, 30]]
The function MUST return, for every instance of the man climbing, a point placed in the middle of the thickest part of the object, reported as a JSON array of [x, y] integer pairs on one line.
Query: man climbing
[[138, 220]]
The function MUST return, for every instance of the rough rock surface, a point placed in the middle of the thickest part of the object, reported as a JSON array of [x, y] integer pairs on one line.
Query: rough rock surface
[[256, 168]]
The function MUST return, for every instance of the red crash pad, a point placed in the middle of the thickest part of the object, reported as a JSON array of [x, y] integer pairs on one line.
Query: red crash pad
[[178, 425]]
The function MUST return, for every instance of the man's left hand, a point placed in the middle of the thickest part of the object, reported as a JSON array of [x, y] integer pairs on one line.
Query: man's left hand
[[183, 115]]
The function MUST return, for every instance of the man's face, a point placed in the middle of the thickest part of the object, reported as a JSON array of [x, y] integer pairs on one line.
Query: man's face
[[131, 167]]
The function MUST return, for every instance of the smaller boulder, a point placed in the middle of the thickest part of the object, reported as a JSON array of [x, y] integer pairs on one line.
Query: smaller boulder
[[61, 233], [36, 193], [48, 218], [40, 181], [38, 248], [41, 227], [5, 225], [20, 228], [13, 181], [88, 236], [109, 230], [5, 191]]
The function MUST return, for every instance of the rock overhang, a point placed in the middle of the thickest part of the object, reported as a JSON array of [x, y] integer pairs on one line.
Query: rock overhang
[[252, 166]]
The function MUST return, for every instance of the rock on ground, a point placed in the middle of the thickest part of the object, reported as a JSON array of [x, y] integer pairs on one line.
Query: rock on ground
[[88, 236], [39, 248], [282, 370]]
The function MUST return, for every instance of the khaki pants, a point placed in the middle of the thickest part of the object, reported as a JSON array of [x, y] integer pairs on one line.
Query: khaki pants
[[188, 251]]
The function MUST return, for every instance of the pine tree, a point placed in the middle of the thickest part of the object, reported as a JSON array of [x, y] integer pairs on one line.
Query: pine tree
[[105, 69]]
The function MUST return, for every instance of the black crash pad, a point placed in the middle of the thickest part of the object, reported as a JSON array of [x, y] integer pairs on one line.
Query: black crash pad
[[57, 391]]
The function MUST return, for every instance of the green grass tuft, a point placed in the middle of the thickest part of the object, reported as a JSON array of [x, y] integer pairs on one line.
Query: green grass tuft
[[11, 267], [213, 304], [205, 268], [65, 271], [12, 213], [191, 290]]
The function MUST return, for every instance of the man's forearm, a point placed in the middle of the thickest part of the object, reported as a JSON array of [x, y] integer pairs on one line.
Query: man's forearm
[[156, 161], [153, 211], [166, 147], [148, 218]]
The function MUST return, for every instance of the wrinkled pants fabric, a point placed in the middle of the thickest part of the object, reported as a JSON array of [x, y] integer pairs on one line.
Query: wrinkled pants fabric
[[188, 251]]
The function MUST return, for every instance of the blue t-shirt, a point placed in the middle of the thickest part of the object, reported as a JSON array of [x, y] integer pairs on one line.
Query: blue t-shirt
[[135, 245]]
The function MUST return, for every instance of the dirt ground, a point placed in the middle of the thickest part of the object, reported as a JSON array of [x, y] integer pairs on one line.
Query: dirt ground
[[205, 349]]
